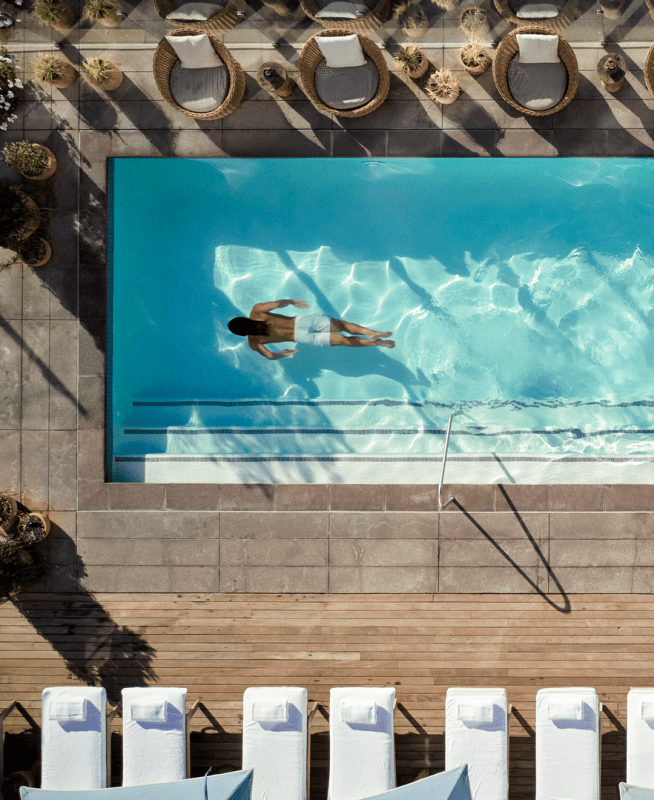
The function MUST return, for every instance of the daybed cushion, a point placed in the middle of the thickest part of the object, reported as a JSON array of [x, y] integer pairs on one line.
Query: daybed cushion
[[193, 11], [195, 52], [276, 752], [199, 90], [342, 9], [640, 737], [538, 48], [154, 751], [362, 757], [482, 744], [73, 751], [537, 86], [537, 11], [346, 88], [567, 751], [341, 51]]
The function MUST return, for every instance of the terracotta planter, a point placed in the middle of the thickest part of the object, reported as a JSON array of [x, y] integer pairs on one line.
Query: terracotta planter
[[50, 169], [110, 21], [68, 76], [10, 517], [44, 260], [113, 83], [66, 20], [479, 70], [32, 534], [418, 73]]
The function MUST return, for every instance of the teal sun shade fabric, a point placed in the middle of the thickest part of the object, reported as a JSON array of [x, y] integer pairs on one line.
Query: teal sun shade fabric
[[229, 786], [451, 785], [628, 792]]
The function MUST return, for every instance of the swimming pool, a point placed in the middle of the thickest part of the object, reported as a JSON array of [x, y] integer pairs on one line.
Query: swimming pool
[[520, 294]]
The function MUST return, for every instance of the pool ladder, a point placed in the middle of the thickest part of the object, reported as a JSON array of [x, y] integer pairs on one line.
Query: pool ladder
[[442, 505]]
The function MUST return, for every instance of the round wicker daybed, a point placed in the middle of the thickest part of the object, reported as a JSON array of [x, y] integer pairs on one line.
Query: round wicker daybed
[[553, 25], [311, 56], [165, 59], [222, 21], [505, 52], [649, 70], [369, 22]]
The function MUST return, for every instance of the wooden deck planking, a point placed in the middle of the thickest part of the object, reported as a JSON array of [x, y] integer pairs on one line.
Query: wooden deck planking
[[218, 645]]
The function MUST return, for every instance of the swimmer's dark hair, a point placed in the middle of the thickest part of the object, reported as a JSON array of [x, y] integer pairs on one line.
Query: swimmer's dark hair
[[244, 326]]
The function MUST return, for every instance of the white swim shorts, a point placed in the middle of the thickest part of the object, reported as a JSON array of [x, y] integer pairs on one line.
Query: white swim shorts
[[313, 329]]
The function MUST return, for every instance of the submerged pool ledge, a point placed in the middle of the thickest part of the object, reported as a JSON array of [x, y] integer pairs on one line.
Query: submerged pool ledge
[[460, 469]]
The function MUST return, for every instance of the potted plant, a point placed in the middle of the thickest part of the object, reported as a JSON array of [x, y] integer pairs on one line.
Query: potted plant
[[103, 73], [412, 18], [19, 569], [474, 22], [411, 61], [442, 86], [11, 90], [35, 251], [474, 57], [103, 11], [446, 5], [19, 216], [8, 514], [54, 70], [55, 13], [32, 528], [34, 161]]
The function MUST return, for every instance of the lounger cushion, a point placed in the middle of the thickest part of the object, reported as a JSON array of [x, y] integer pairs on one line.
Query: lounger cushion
[[341, 51], [538, 11], [537, 86], [270, 711], [199, 90], [640, 737], [346, 88], [68, 710], [342, 9], [538, 48], [73, 752], [277, 753], [194, 11], [195, 52], [154, 750], [359, 713]]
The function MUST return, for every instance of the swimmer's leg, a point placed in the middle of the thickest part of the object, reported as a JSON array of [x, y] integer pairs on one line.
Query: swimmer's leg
[[336, 339], [340, 326]]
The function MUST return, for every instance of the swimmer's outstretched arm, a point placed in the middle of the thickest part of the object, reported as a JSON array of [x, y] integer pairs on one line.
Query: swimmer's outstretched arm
[[263, 351], [279, 304]]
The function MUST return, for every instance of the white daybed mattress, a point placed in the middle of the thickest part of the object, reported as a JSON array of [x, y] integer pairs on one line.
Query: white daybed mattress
[[275, 742], [567, 744], [74, 738], [640, 737], [476, 734], [154, 735], [361, 753]]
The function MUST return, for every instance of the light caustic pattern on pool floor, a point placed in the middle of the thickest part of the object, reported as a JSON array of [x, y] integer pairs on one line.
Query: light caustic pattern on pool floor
[[520, 295]]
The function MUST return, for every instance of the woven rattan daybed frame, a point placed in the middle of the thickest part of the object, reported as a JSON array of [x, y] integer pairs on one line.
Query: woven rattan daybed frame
[[649, 70], [164, 61], [311, 56], [508, 47], [369, 22], [222, 21], [554, 24]]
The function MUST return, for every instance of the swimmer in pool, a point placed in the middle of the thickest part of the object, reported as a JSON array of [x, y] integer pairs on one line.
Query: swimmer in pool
[[263, 327]]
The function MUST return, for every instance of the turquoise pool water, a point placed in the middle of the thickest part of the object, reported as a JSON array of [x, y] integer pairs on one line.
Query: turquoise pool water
[[520, 294]]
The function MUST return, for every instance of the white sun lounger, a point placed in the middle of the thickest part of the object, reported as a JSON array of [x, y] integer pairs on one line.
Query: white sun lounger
[[74, 745], [476, 734], [568, 744], [361, 743], [640, 737], [155, 735], [275, 742]]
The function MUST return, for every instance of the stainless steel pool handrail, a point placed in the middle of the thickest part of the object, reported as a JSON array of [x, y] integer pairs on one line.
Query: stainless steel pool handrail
[[442, 505]]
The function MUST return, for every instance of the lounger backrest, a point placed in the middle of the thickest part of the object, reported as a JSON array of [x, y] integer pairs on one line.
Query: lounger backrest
[[154, 735], [275, 742], [476, 734], [74, 738], [567, 744], [361, 742], [640, 737]]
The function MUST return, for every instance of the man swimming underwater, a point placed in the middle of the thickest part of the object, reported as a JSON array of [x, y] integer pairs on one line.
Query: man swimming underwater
[[262, 328]]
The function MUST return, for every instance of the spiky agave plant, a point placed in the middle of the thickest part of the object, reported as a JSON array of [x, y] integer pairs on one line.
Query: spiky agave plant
[[408, 58], [99, 71], [473, 53], [409, 14], [442, 85]]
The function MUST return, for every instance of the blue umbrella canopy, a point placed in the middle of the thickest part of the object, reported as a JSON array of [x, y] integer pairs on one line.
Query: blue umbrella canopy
[[450, 785], [228, 786], [628, 792]]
